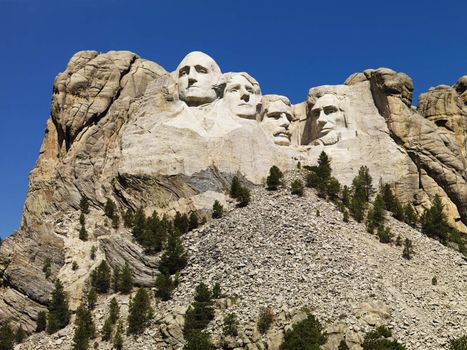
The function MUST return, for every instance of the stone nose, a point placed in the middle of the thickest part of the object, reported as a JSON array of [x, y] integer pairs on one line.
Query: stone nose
[[245, 97], [284, 121], [191, 81], [322, 118]]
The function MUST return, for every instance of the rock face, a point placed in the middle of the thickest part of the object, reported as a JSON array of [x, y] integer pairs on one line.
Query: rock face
[[123, 128]]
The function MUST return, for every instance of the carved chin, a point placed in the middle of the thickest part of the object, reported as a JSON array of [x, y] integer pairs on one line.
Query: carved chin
[[330, 138], [282, 140]]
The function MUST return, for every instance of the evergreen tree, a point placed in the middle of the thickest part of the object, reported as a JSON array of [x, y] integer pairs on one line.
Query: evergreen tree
[[398, 210], [100, 277], [154, 234], [82, 219], [244, 197], [20, 335], [265, 320], [217, 210], [92, 298], [235, 188], [274, 179], [345, 216], [165, 286], [216, 291], [324, 166], [41, 324], [384, 234], [434, 221], [365, 180], [312, 179], [115, 221], [107, 330], [125, 281], [85, 329], [410, 215], [110, 208], [181, 222], [116, 279], [174, 258], [346, 196], [199, 340], [357, 208], [114, 310], [193, 221], [59, 315], [307, 335], [343, 345], [408, 250], [83, 234], [297, 187], [333, 188], [458, 343], [118, 339], [388, 197], [84, 205], [7, 337], [128, 218], [140, 312], [201, 312], [93, 252], [230, 327], [46, 268], [139, 223]]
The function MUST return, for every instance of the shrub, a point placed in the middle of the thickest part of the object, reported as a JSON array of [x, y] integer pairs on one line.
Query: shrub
[[217, 210], [20, 335], [74, 266], [265, 320], [115, 221], [83, 234], [297, 187], [41, 321], [346, 216], [216, 291], [140, 312], [380, 339], [46, 268], [274, 179], [384, 234], [398, 240], [235, 187], [59, 315], [84, 205], [193, 221], [100, 277], [110, 208], [93, 252], [343, 345], [434, 281], [307, 334], [128, 218], [230, 327]]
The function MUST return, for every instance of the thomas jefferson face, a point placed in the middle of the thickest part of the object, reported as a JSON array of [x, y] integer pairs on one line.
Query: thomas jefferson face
[[276, 120], [197, 75], [330, 118], [242, 96]]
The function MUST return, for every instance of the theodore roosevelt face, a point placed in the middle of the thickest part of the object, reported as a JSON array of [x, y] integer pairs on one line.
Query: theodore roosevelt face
[[197, 75], [277, 115]]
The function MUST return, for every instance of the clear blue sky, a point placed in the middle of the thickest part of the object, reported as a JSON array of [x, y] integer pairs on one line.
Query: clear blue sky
[[288, 46]]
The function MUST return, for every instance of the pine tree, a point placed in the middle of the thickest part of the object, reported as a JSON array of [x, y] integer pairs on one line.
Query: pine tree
[[230, 327], [217, 210], [381, 339], [110, 208], [181, 222], [216, 291], [265, 320], [434, 221], [128, 218], [59, 315], [199, 340], [274, 179], [115, 221], [357, 208], [343, 345], [410, 215], [154, 234], [345, 217], [125, 281], [333, 188], [107, 330], [324, 167], [7, 337], [46, 268], [114, 310], [346, 196], [297, 187], [82, 219], [307, 334], [408, 250], [366, 181], [235, 187], [193, 221], [244, 197], [84, 205], [93, 252], [140, 312], [100, 277], [41, 324], [165, 286], [20, 335], [83, 234], [388, 197], [384, 234], [398, 210], [116, 279], [92, 298], [201, 312], [139, 222], [174, 258], [85, 329], [118, 339]]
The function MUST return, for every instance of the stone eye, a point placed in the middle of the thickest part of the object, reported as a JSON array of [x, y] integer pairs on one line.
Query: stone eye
[[201, 69], [183, 71], [329, 110]]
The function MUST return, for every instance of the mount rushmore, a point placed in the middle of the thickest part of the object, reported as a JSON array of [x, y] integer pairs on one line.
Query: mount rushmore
[[124, 128]]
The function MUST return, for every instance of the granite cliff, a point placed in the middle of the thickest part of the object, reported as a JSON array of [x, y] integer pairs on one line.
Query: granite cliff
[[123, 128]]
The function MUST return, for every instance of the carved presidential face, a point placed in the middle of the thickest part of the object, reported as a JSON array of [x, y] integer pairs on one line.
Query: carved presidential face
[[330, 118], [197, 75], [242, 96], [277, 116]]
